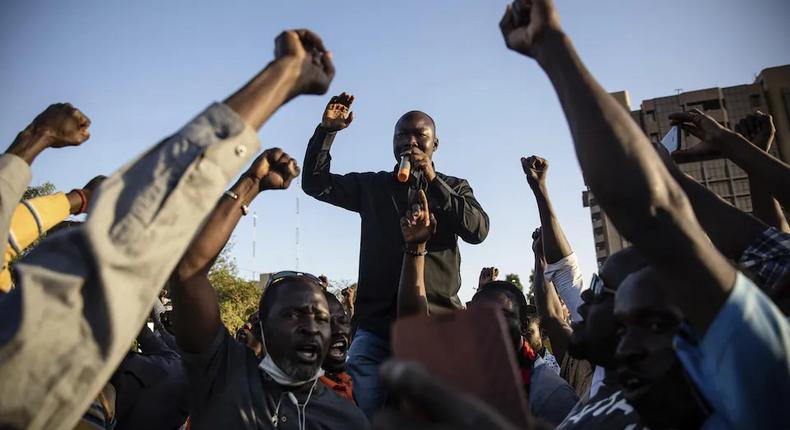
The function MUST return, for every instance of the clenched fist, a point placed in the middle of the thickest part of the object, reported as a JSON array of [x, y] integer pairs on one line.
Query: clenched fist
[[535, 168], [62, 124], [274, 170], [316, 68]]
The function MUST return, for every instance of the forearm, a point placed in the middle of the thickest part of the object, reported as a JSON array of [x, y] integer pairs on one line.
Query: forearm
[[555, 245], [411, 289], [257, 100], [28, 144], [770, 172], [316, 168], [634, 188], [718, 217], [550, 311], [217, 230], [765, 207], [461, 210]]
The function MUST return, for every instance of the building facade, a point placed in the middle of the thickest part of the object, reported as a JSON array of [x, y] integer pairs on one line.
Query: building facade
[[770, 93]]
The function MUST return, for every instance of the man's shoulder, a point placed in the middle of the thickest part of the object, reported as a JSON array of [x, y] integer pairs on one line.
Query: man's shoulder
[[451, 180]]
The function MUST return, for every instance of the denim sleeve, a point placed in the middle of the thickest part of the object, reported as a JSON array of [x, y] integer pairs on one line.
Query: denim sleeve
[[90, 288], [741, 364]]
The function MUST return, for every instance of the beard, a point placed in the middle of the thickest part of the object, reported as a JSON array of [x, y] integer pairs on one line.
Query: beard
[[299, 371]]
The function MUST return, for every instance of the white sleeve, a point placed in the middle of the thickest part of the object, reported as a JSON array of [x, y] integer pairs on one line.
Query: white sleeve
[[567, 278]]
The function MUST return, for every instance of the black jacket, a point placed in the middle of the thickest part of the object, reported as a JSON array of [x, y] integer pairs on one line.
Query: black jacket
[[381, 200]]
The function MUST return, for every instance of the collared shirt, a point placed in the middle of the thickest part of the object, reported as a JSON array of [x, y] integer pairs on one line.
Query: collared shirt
[[229, 391], [550, 397], [90, 288], [567, 278], [768, 257], [381, 201], [741, 364], [341, 383]]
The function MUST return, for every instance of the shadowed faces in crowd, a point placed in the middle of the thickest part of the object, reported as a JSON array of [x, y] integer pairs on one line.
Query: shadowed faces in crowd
[[335, 361], [650, 373], [505, 296], [296, 326], [595, 337]]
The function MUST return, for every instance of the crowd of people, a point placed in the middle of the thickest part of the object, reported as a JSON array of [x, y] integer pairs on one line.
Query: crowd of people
[[687, 328]]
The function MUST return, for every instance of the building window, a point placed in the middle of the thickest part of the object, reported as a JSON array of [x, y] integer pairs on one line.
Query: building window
[[755, 100], [740, 186], [711, 104], [651, 115], [744, 203], [715, 170], [721, 188]]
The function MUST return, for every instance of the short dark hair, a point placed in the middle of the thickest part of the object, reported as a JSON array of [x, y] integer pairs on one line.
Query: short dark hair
[[420, 113], [510, 290]]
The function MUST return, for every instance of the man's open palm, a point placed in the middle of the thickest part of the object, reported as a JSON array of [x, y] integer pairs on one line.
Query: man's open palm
[[337, 114]]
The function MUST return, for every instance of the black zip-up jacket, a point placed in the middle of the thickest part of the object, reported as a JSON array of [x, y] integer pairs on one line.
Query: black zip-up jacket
[[381, 200]]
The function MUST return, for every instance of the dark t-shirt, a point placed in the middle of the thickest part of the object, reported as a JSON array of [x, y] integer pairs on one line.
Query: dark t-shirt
[[606, 410], [229, 391]]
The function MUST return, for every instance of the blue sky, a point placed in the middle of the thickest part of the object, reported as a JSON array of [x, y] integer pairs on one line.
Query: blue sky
[[141, 69]]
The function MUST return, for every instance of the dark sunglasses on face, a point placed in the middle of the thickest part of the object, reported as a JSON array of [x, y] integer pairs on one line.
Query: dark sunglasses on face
[[599, 289]]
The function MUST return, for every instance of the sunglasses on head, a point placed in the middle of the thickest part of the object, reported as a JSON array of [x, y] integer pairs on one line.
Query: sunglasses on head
[[290, 274], [599, 289]]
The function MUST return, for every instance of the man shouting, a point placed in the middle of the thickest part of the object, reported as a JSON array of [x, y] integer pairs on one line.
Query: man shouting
[[381, 199]]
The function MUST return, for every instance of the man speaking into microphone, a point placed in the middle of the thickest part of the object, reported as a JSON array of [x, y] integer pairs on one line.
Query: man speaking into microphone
[[381, 198]]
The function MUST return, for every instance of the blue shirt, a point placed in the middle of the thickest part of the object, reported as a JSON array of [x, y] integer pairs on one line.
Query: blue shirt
[[741, 363]]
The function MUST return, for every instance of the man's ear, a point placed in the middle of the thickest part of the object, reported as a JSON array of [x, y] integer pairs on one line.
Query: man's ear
[[435, 144]]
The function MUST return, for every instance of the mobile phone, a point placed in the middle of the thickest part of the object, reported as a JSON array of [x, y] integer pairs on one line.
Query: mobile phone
[[469, 350], [671, 140]]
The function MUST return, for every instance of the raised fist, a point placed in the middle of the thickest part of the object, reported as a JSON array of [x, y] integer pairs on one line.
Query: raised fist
[[526, 21], [274, 169], [316, 69], [418, 225], [757, 128], [487, 274], [62, 125], [535, 168], [337, 114]]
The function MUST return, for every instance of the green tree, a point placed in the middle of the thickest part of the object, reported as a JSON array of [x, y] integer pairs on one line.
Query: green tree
[[238, 297], [44, 189], [514, 278]]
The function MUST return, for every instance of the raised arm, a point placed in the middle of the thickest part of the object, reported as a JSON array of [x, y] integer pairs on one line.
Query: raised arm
[[318, 181], [561, 268], [196, 306], [759, 129], [771, 173], [717, 217], [623, 170], [548, 303], [417, 226]]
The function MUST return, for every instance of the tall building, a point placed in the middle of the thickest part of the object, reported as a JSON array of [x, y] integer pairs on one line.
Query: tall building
[[770, 93]]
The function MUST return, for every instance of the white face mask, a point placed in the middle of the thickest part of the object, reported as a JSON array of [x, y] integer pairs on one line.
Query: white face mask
[[272, 369]]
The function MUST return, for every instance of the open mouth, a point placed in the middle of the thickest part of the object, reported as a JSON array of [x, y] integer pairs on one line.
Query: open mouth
[[338, 349], [634, 386], [308, 353]]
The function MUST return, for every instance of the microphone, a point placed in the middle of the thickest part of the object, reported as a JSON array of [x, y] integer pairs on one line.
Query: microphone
[[404, 168]]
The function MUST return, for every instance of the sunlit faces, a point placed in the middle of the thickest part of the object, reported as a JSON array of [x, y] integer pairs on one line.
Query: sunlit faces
[[335, 361], [297, 328], [414, 129]]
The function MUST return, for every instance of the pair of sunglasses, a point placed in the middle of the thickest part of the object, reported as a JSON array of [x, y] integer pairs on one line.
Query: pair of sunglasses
[[290, 274], [599, 289]]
